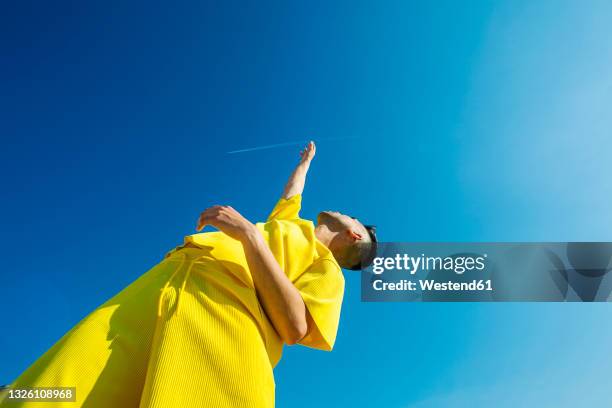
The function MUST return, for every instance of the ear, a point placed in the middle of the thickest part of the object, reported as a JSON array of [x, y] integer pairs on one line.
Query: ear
[[354, 236]]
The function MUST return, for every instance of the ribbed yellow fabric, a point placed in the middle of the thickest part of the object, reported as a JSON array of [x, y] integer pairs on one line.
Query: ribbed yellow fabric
[[190, 332]]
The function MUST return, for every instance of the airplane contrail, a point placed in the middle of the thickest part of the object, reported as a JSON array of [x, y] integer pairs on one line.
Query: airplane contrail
[[297, 142]]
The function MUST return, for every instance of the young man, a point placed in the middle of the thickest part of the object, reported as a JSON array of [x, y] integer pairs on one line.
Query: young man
[[206, 326]]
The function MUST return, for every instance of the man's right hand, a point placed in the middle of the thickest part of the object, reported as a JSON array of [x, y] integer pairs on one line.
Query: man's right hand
[[295, 184], [308, 153]]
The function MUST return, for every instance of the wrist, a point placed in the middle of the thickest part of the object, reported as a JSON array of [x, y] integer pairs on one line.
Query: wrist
[[305, 165], [250, 234]]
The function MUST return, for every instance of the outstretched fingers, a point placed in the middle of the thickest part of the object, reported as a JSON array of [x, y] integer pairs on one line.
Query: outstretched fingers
[[308, 152]]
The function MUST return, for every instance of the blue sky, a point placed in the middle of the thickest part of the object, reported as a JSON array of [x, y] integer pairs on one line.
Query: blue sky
[[437, 122]]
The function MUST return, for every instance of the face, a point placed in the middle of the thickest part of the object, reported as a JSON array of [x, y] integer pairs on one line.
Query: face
[[346, 231]]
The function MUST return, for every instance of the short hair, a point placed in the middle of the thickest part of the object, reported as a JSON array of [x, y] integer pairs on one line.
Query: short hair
[[367, 250]]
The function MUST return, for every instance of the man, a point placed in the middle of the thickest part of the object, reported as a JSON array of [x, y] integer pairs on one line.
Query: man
[[206, 326]]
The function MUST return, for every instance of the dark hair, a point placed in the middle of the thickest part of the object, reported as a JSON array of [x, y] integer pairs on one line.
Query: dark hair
[[367, 251]]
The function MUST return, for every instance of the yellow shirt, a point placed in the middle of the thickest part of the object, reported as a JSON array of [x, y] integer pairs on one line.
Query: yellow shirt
[[308, 263]]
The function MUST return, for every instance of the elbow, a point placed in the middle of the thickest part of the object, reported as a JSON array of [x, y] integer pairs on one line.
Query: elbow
[[295, 333]]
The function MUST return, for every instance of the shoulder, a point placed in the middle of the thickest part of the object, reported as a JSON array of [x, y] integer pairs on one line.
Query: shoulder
[[327, 267], [287, 208]]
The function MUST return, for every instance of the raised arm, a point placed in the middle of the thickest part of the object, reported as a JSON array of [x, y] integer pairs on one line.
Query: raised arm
[[295, 184], [280, 299]]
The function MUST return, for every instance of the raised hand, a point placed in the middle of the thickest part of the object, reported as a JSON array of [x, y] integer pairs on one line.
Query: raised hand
[[308, 153], [295, 184]]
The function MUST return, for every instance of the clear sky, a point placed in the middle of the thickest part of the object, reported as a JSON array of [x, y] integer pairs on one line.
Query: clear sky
[[437, 121]]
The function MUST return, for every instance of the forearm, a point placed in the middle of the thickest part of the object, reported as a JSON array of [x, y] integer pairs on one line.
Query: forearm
[[295, 184], [280, 299]]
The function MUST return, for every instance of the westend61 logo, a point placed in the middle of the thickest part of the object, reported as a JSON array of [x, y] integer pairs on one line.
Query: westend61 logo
[[413, 264]]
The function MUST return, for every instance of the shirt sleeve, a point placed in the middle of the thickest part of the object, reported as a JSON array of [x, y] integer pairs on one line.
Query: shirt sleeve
[[322, 288], [287, 208]]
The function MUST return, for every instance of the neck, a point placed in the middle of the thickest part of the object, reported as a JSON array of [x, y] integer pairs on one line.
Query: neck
[[324, 235]]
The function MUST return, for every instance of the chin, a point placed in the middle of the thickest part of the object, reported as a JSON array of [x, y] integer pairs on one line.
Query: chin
[[325, 217], [319, 216]]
